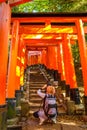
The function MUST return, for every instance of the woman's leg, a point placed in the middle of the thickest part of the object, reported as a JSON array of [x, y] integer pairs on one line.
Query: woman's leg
[[42, 117]]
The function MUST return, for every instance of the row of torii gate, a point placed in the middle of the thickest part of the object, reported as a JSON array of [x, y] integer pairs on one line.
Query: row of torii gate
[[48, 34]]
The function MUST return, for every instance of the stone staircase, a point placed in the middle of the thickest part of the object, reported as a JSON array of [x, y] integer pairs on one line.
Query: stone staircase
[[37, 80]]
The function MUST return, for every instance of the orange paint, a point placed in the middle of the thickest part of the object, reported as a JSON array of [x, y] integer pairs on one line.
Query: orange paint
[[43, 59], [5, 15], [39, 59], [59, 58], [83, 53], [65, 55], [13, 61], [61, 68], [22, 61], [26, 58], [18, 67], [52, 57], [70, 64]]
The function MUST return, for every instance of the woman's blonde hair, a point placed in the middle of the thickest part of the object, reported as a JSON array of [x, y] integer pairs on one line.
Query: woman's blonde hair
[[50, 90]]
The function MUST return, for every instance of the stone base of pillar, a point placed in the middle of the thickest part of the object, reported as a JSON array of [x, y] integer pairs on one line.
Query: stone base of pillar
[[55, 83], [18, 97], [85, 104], [63, 84], [55, 75], [22, 91], [25, 108], [11, 108], [3, 117], [74, 95], [67, 90], [59, 78], [70, 107]]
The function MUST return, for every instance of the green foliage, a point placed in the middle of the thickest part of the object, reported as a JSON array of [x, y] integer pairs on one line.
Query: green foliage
[[58, 6], [75, 52], [77, 64], [52, 6]]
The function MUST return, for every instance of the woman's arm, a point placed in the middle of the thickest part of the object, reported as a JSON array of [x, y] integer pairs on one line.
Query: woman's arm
[[44, 87], [42, 95]]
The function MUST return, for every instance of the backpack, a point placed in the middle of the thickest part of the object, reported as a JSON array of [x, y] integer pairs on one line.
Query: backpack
[[50, 106]]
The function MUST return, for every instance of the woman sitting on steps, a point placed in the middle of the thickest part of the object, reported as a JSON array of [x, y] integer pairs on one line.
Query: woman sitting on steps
[[49, 109]]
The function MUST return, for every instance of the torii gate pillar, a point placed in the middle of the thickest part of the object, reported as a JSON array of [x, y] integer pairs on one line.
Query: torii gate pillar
[[44, 54], [83, 55], [61, 69], [5, 15], [11, 100], [66, 67], [52, 62], [74, 92]]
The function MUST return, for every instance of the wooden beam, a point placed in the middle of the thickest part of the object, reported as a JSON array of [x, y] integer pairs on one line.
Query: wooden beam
[[41, 42], [39, 48], [52, 30], [40, 45], [50, 19]]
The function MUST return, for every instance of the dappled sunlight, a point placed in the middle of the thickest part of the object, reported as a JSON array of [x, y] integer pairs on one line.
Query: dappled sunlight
[[48, 30], [41, 36], [17, 70], [22, 60], [58, 30], [47, 33], [68, 123]]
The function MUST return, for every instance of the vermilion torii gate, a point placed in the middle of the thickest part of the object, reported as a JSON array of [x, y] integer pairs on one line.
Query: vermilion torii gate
[[50, 33], [54, 34]]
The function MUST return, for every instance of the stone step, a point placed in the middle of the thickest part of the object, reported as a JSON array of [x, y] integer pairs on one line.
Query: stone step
[[35, 105], [37, 82], [33, 72], [32, 91], [35, 100], [37, 76], [34, 87], [33, 95]]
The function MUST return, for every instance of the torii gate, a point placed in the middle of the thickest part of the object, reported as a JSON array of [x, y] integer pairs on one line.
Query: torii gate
[[56, 33], [41, 31]]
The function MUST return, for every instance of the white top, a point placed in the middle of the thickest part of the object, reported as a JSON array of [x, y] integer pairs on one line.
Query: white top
[[41, 94]]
